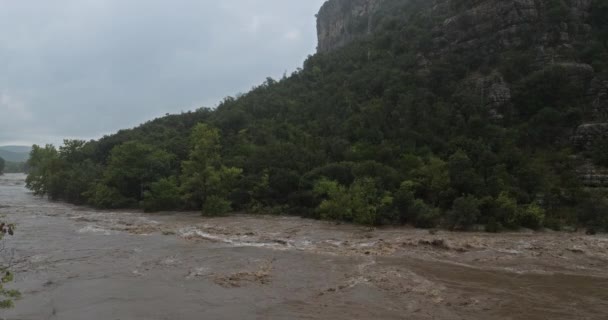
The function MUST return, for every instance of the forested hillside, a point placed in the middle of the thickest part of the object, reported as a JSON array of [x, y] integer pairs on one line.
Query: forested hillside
[[430, 117]]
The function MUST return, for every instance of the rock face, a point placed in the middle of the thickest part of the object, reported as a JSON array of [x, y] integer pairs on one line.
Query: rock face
[[491, 91], [588, 133], [492, 26], [489, 26], [341, 21], [592, 176], [599, 97]]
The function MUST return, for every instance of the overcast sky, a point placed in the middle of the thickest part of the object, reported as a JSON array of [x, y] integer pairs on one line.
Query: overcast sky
[[85, 68]]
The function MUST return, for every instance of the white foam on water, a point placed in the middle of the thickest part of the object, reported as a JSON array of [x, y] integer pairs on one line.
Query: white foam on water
[[95, 230], [236, 241], [198, 272]]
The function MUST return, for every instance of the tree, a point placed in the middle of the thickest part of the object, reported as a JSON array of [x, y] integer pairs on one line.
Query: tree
[[463, 177], [432, 179], [2, 165], [46, 171], [464, 213], [532, 216], [163, 194], [455, 126], [133, 166], [207, 183], [362, 202]]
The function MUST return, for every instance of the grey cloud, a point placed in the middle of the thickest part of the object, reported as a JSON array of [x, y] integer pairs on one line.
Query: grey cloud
[[83, 68]]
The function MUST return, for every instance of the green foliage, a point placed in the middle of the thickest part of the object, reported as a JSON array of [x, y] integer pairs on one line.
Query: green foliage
[[380, 131], [360, 203], [424, 215], [506, 210], [105, 197], [204, 178], [593, 213], [403, 201], [464, 213], [15, 167], [432, 179], [557, 11], [133, 166], [163, 194], [463, 176], [215, 206], [532, 216], [45, 168], [2, 165]]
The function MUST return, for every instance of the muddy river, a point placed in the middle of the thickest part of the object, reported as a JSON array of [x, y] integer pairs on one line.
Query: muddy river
[[76, 263]]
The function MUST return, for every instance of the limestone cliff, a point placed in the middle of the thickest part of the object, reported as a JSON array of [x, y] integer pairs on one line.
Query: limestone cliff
[[486, 25], [341, 21]]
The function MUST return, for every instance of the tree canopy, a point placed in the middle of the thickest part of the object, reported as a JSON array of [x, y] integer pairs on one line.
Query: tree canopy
[[367, 133]]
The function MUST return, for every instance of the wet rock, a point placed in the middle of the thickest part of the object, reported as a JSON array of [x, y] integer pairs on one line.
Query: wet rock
[[281, 242], [437, 243], [576, 250], [260, 276]]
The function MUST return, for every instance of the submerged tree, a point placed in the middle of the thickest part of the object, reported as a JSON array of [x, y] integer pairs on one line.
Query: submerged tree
[[7, 297], [207, 183]]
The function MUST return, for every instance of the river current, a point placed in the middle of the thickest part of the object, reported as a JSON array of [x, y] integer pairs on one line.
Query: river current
[[78, 263]]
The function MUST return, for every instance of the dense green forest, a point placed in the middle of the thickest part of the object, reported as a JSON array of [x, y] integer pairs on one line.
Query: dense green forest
[[15, 167], [361, 135], [12, 167]]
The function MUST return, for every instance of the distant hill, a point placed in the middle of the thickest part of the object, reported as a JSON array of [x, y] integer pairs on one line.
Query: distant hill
[[17, 149], [15, 153]]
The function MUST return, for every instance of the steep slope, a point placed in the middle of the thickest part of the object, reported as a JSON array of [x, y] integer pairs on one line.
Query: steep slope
[[535, 35], [427, 112]]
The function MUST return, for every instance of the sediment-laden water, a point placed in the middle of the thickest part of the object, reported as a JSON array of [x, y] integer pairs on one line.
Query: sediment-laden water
[[77, 263]]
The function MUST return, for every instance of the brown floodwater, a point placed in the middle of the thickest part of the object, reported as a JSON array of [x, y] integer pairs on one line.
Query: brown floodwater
[[77, 263]]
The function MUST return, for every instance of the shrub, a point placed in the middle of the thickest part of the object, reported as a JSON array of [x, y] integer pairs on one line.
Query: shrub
[[163, 195], [425, 216], [593, 212], [493, 226], [106, 197], [403, 200], [464, 213], [216, 206], [360, 203], [531, 217], [506, 211]]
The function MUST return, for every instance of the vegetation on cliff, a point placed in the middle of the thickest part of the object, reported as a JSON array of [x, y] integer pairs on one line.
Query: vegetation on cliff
[[369, 133]]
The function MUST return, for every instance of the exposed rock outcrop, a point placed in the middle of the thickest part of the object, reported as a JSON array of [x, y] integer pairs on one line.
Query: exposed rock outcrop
[[588, 133], [487, 26], [599, 99], [341, 21], [489, 91], [592, 176]]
